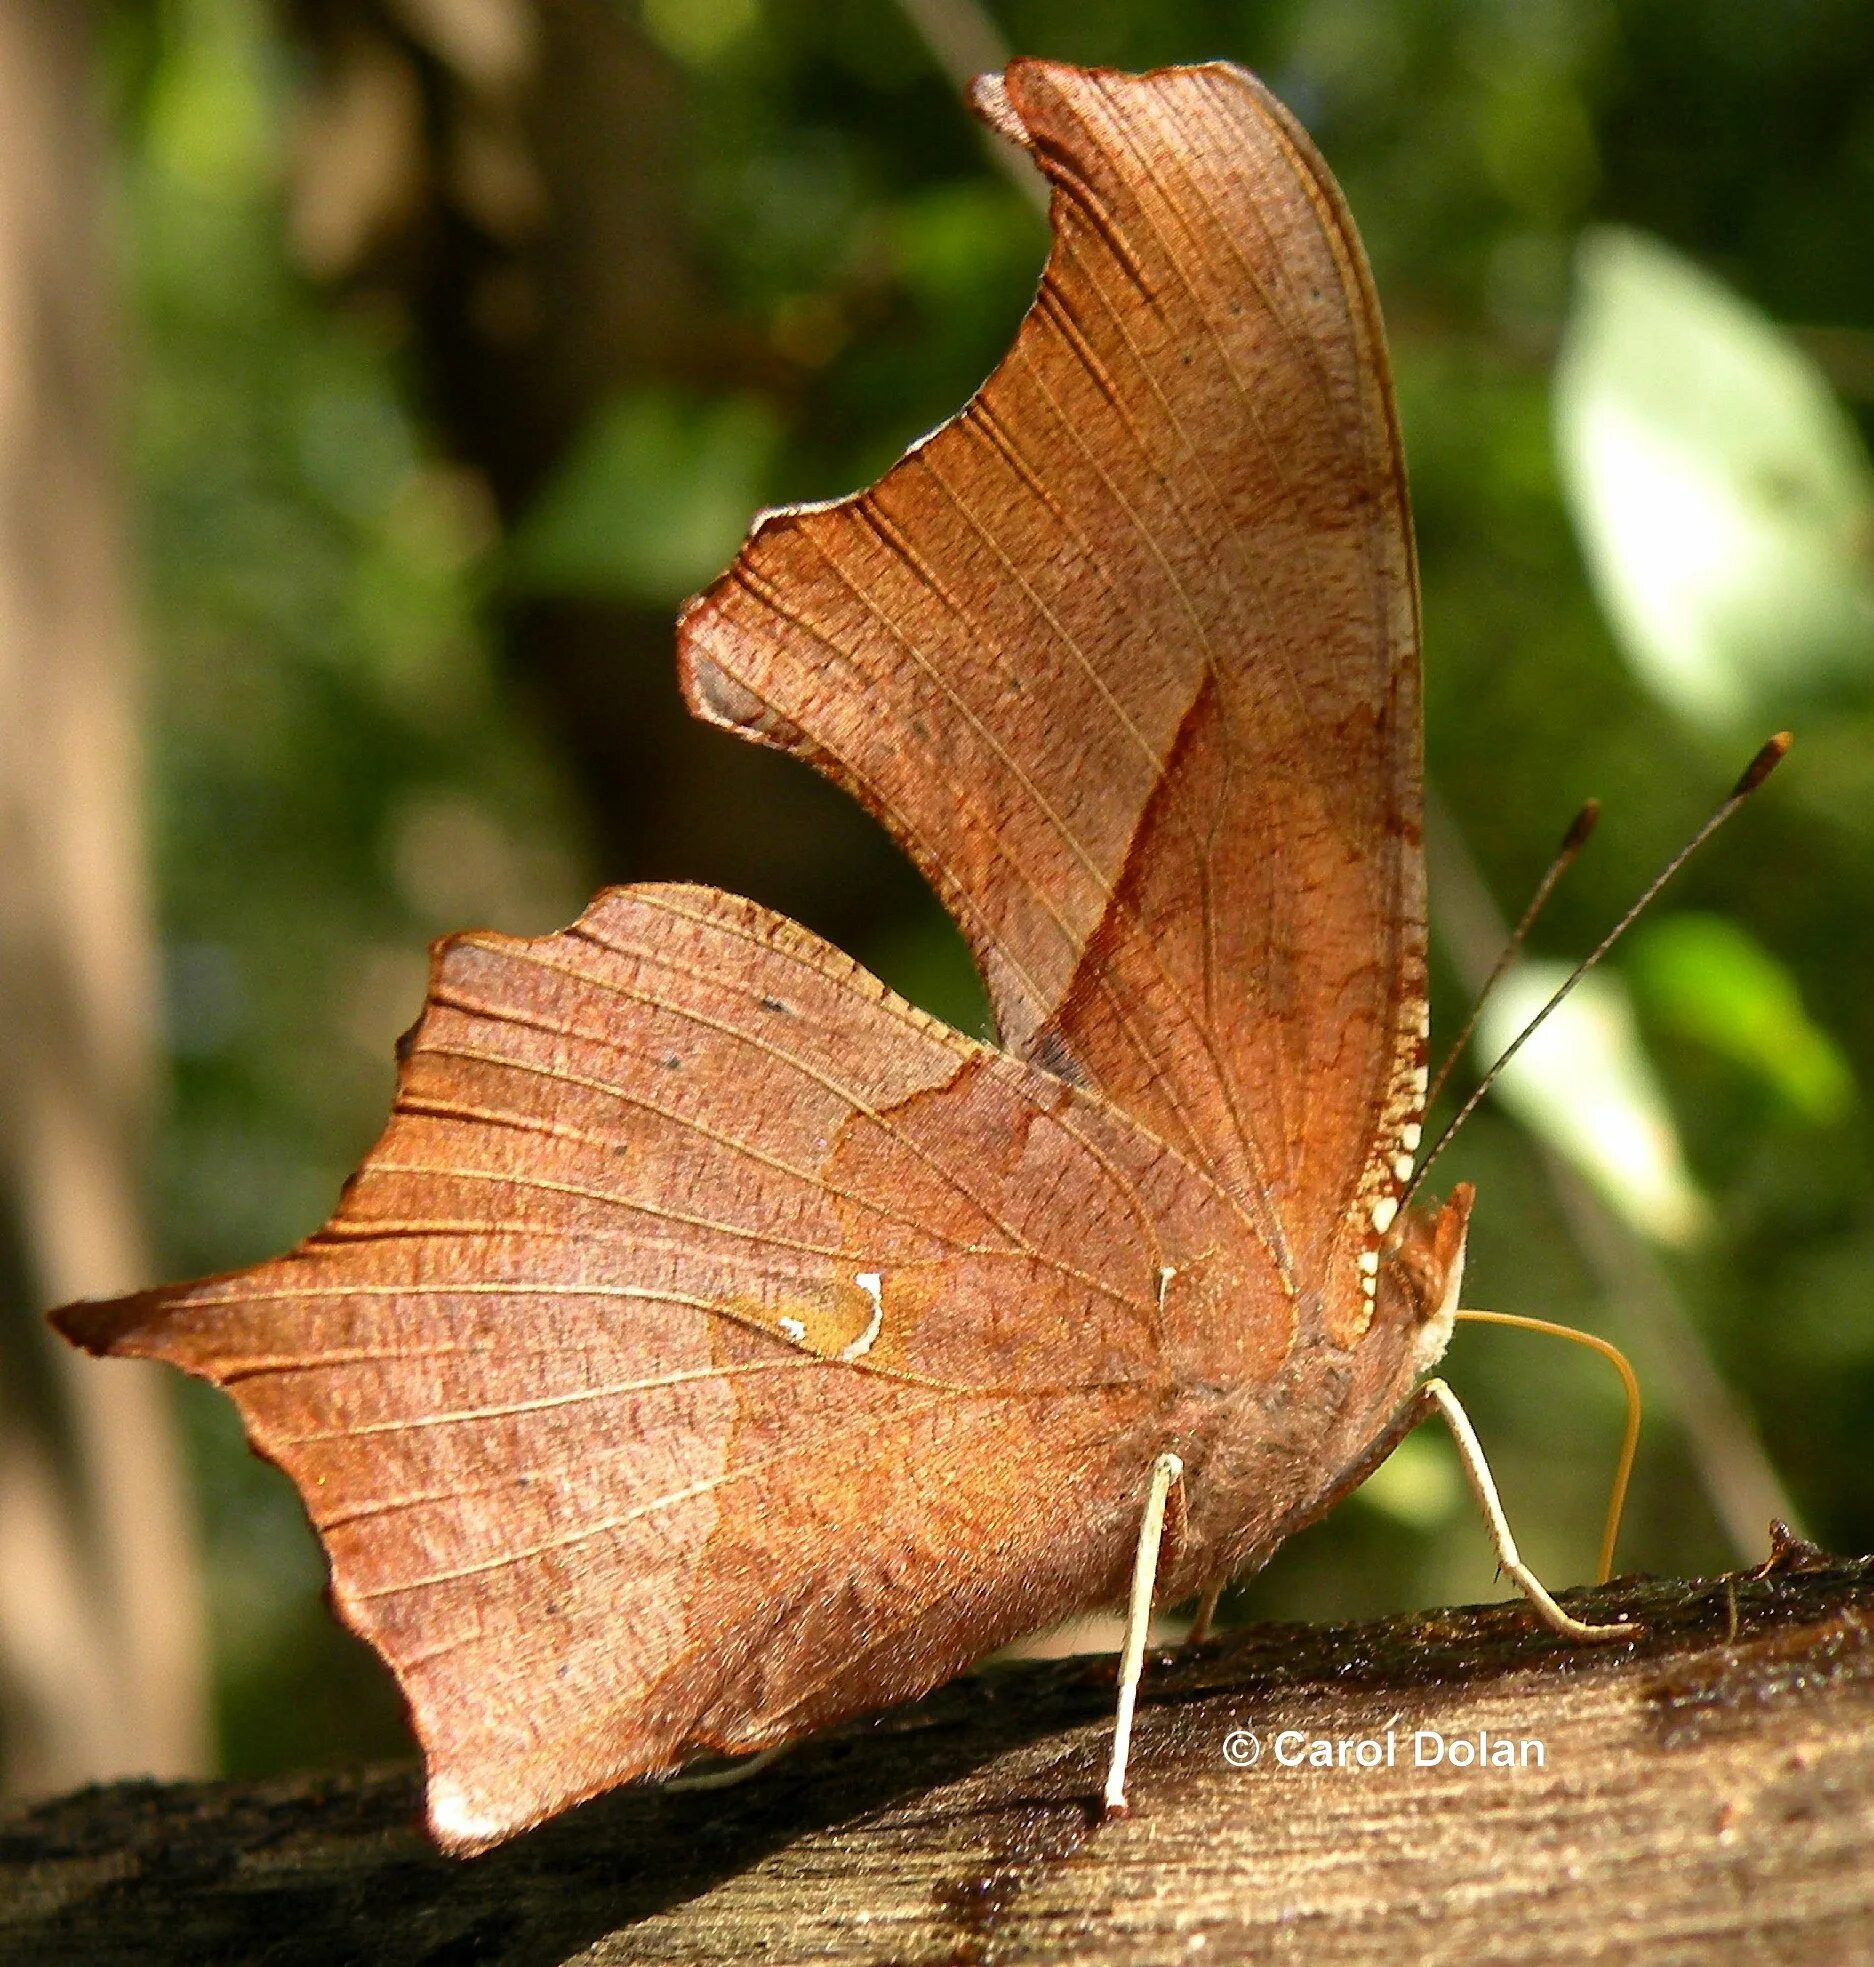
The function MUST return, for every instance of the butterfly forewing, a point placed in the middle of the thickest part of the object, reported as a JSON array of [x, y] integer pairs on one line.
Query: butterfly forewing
[[1126, 656]]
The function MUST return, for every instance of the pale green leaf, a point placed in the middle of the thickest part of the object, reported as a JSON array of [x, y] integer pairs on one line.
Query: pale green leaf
[[1709, 980], [1584, 1084], [1723, 496]]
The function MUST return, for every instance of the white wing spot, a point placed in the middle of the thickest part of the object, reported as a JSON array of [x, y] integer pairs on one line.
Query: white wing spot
[[1384, 1210], [794, 1329], [1166, 1272], [1410, 1136], [872, 1284], [1369, 1262], [1402, 1167]]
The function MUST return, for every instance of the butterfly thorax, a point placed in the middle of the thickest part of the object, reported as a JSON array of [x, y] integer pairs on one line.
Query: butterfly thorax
[[1272, 1454]]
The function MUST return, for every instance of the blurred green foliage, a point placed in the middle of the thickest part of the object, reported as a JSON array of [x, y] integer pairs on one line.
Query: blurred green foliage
[[1724, 495], [1586, 1083], [654, 499], [341, 773]]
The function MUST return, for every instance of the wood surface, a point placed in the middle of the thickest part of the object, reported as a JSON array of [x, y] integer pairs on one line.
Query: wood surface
[[1707, 1796]]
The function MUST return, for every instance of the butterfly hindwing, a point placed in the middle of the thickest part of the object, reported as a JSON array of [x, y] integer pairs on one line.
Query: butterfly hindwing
[[686, 1322]]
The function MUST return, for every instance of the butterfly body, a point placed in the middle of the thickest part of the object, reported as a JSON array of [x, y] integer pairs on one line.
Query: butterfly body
[[714, 1345], [1269, 1452]]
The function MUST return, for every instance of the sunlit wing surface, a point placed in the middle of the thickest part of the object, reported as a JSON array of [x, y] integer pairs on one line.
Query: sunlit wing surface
[[1126, 657], [659, 1383]]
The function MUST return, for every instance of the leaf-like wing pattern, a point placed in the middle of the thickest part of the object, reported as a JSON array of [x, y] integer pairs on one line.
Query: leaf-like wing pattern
[[658, 1382], [1126, 657]]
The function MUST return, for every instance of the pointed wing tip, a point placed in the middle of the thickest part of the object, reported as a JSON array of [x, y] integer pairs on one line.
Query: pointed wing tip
[[475, 1799], [78, 1324], [1004, 99], [107, 1328], [1014, 102], [713, 694]]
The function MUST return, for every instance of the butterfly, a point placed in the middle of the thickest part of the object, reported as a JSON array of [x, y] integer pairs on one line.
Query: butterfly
[[714, 1345]]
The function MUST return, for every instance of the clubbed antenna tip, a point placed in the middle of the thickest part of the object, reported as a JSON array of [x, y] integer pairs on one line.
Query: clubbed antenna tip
[[1765, 762], [1759, 769], [1580, 827]]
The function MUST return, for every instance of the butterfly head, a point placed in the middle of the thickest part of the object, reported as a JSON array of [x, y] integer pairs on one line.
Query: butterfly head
[[1423, 1263]]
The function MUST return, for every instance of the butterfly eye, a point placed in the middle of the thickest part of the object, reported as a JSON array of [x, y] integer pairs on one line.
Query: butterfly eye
[[1423, 1255]]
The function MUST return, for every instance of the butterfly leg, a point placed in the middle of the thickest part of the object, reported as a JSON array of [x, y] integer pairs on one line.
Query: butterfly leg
[[728, 1775], [1167, 1474], [1435, 1397], [1205, 1615]]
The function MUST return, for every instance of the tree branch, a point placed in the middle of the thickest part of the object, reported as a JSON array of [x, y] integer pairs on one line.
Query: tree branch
[[1706, 1794]]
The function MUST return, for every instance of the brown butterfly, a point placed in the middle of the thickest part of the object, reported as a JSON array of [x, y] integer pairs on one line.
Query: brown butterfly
[[714, 1345]]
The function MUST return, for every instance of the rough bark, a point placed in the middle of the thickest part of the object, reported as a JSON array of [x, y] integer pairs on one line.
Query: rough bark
[[1706, 1795]]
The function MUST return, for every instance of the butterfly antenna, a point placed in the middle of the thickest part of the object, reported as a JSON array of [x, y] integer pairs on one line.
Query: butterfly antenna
[[1572, 843], [1629, 1441], [1754, 774]]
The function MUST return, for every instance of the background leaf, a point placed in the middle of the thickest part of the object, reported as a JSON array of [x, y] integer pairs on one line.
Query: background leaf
[[1707, 978], [1724, 498], [1584, 1083]]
